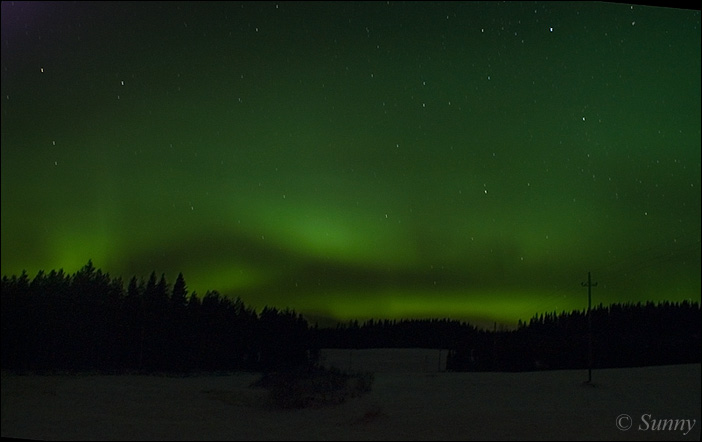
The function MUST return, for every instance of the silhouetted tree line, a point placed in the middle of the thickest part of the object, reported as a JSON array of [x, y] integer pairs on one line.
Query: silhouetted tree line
[[623, 335], [404, 333], [89, 321]]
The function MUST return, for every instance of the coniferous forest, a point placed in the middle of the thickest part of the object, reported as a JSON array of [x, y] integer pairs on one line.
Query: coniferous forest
[[91, 321]]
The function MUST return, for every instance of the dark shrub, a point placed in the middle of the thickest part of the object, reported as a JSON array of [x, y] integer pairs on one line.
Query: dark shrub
[[313, 387]]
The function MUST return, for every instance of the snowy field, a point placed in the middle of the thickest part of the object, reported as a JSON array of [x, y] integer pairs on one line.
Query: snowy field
[[424, 405], [386, 360]]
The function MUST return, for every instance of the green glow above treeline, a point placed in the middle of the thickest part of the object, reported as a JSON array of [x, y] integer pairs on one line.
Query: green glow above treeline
[[468, 160]]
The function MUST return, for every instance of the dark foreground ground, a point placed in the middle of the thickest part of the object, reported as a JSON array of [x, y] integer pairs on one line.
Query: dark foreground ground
[[623, 404]]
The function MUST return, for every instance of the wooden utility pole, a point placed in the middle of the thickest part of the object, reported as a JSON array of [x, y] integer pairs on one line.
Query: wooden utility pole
[[589, 286]]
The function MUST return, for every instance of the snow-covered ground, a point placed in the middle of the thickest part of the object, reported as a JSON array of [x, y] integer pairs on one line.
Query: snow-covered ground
[[425, 405], [386, 360]]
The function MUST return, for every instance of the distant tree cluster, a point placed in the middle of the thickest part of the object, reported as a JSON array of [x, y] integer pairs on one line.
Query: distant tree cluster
[[404, 333], [623, 335], [89, 321]]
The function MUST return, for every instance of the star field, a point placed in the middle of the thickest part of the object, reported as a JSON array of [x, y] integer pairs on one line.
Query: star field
[[354, 160]]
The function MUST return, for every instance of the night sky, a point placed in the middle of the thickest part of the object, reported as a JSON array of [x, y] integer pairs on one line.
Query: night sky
[[356, 160]]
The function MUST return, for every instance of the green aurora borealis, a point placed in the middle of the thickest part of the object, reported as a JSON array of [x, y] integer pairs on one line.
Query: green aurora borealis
[[355, 160]]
